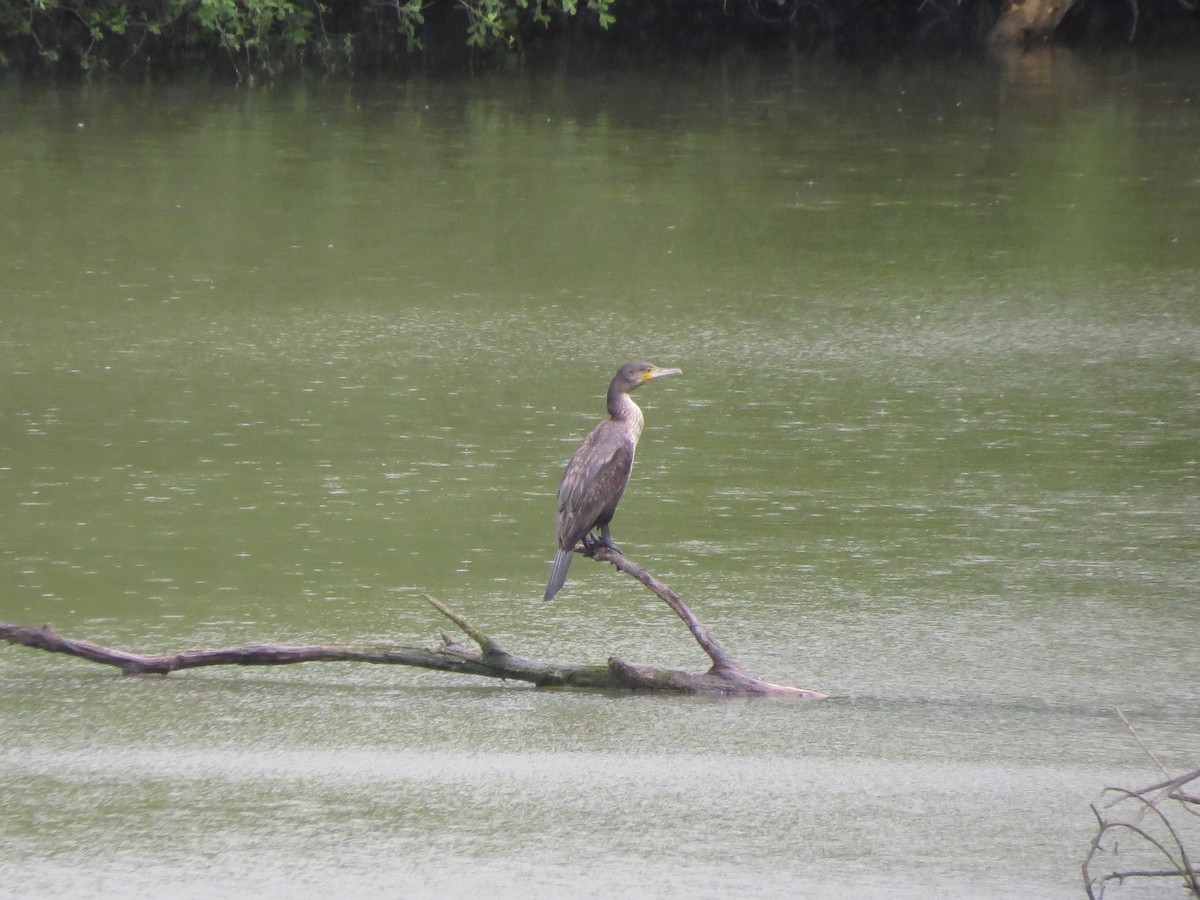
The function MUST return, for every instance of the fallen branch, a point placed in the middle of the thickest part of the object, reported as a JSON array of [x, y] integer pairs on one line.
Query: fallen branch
[[1160, 836], [489, 660], [1168, 845]]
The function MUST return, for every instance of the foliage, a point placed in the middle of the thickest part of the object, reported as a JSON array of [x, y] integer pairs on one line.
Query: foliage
[[261, 36], [266, 37], [99, 34]]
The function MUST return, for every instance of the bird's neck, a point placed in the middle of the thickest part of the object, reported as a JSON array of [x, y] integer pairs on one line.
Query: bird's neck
[[622, 408]]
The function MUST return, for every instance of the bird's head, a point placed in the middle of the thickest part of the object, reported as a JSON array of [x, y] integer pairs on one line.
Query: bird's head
[[635, 374]]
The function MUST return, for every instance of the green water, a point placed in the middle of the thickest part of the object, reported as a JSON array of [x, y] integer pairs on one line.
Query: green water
[[274, 363]]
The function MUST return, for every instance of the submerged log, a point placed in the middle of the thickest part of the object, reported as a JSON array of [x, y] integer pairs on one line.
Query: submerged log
[[487, 659]]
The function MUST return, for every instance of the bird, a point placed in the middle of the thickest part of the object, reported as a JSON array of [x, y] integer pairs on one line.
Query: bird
[[597, 474]]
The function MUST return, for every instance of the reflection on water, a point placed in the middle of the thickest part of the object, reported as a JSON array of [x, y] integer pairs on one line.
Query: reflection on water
[[277, 363]]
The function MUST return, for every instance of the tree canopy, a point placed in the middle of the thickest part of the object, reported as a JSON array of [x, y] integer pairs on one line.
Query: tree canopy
[[250, 38]]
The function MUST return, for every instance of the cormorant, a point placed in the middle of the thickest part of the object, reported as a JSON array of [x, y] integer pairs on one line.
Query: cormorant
[[596, 476]]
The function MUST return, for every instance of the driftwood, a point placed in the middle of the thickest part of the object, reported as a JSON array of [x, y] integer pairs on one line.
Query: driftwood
[[489, 660]]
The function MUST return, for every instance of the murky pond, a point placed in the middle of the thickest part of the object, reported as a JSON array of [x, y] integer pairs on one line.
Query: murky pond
[[275, 363]]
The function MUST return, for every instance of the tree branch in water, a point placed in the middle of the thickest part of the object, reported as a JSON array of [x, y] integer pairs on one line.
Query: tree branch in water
[[487, 658], [1154, 830]]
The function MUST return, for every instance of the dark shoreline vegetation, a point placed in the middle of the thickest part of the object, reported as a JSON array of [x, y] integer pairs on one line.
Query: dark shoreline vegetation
[[265, 38]]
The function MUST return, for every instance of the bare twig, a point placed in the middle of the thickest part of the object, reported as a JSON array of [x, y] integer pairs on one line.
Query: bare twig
[[1137, 737], [722, 661], [1172, 850], [1169, 845], [1171, 788]]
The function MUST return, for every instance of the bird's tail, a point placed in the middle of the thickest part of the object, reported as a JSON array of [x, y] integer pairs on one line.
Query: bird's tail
[[558, 574]]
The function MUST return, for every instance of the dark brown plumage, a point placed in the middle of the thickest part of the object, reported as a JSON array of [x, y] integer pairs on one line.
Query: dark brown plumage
[[597, 474]]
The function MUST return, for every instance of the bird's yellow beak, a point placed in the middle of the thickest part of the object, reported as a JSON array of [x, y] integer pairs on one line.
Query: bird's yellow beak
[[660, 373]]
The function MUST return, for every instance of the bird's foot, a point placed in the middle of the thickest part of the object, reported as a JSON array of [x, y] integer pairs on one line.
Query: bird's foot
[[591, 542]]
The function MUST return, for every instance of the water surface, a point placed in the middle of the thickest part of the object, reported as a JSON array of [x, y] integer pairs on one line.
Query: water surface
[[277, 362]]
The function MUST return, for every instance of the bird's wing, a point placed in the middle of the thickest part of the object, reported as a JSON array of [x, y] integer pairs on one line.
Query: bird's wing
[[594, 481]]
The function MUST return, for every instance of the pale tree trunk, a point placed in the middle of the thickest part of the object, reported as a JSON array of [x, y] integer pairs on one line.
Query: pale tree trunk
[[1028, 21]]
